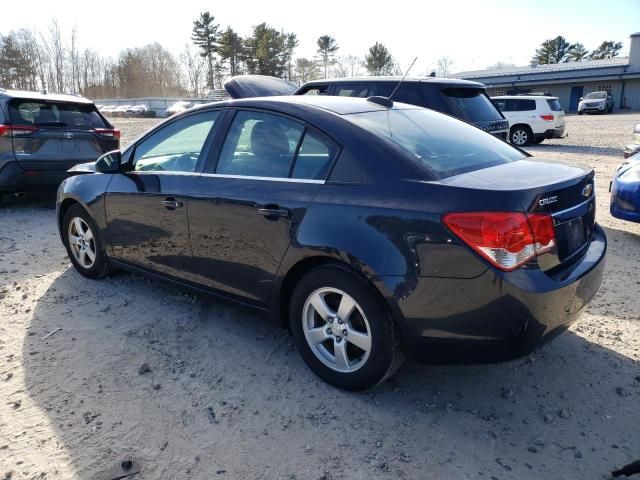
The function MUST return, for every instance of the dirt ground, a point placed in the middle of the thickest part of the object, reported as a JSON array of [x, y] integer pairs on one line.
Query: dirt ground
[[227, 396]]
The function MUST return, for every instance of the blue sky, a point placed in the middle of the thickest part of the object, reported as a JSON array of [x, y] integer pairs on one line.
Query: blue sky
[[474, 34]]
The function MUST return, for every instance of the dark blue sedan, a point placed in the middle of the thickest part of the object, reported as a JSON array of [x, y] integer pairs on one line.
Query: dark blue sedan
[[625, 191], [371, 230]]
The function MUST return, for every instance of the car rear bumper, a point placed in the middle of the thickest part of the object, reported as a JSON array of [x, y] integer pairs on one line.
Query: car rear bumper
[[13, 178], [551, 133], [496, 316]]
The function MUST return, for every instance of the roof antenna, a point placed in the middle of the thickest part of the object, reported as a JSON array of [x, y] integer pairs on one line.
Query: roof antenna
[[402, 79], [386, 101]]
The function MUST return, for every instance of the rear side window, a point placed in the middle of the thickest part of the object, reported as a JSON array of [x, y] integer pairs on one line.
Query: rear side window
[[407, 92], [319, 90], [314, 157], [259, 145], [554, 105], [525, 105], [470, 104], [440, 144], [55, 114], [352, 90]]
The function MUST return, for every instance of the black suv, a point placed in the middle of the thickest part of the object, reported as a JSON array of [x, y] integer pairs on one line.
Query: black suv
[[42, 136], [462, 99]]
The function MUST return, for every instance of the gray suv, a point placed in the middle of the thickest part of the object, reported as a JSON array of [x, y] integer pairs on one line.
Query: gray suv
[[42, 136], [596, 102]]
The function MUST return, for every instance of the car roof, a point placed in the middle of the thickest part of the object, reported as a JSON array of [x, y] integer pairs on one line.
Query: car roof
[[52, 97], [337, 105], [454, 82], [523, 97]]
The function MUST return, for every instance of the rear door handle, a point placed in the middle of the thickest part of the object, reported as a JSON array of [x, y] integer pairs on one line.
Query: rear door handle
[[274, 212], [171, 204]]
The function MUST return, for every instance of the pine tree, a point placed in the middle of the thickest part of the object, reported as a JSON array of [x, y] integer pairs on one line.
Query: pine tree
[[205, 36], [327, 48], [607, 49], [379, 61]]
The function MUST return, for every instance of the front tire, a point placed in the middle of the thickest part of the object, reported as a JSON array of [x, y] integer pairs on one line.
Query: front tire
[[342, 328], [83, 244], [520, 136]]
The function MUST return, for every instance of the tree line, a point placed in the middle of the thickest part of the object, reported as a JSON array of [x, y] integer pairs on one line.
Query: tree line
[[560, 50], [54, 61]]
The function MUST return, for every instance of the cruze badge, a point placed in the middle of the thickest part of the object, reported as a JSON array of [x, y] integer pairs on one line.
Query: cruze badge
[[587, 190], [548, 200]]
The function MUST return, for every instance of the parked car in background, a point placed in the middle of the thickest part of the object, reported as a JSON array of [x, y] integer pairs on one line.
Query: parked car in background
[[120, 111], [633, 147], [625, 191], [532, 118], [43, 135], [108, 110], [178, 107], [462, 99], [596, 102], [370, 228], [141, 111]]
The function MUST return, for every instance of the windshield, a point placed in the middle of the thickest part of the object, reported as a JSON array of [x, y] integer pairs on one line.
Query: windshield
[[441, 144], [596, 95], [470, 104]]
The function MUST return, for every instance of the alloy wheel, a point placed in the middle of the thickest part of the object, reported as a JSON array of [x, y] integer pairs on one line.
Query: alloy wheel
[[82, 242], [519, 137], [336, 330]]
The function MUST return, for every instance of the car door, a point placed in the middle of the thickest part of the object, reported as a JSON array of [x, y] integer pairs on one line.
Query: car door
[[146, 207], [245, 209]]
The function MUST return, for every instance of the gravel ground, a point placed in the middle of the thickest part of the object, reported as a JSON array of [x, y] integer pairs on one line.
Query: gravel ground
[[94, 372]]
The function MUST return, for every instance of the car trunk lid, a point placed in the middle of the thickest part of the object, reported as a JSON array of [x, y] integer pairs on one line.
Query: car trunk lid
[[540, 187]]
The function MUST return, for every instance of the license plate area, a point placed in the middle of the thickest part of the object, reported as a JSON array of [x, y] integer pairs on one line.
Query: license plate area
[[574, 233], [67, 146]]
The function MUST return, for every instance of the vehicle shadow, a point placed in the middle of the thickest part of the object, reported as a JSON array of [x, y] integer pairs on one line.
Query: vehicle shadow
[[226, 392], [579, 149]]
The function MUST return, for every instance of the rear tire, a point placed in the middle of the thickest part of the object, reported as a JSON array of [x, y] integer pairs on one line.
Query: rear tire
[[342, 328], [520, 135], [80, 236]]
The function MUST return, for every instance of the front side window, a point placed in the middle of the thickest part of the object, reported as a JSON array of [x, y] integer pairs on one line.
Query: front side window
[[177, 146], [442, 145], [260, 145]]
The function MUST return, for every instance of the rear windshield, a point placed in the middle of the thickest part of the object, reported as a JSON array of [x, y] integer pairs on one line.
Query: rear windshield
[[554, 105], [55, 114], [442, 145], [470, 104]]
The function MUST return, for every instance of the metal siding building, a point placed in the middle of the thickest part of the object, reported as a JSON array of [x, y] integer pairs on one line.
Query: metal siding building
[[571, 81]]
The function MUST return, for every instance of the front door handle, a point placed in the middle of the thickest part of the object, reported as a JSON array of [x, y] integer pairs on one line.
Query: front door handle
[[274, 212], [171, 203]]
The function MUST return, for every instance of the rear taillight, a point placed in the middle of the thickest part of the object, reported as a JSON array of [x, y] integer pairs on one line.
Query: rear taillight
[[547, 117], [15, 130], [507, 239], [108, 132]]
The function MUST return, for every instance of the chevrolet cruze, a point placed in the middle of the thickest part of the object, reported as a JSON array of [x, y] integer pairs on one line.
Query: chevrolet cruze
[[372, 230]]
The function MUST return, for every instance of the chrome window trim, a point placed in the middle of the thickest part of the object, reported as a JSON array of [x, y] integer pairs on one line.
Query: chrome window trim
[[223, 175]]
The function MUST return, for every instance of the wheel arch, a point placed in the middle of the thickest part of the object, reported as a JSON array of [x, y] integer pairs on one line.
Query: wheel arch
[[300, 266]]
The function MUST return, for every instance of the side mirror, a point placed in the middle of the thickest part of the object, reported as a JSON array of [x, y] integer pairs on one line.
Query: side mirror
[[581, 98], [109, 162]]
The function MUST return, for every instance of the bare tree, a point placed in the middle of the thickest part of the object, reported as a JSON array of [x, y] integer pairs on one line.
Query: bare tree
[[445, 65], [57, 54], [194, 65]]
